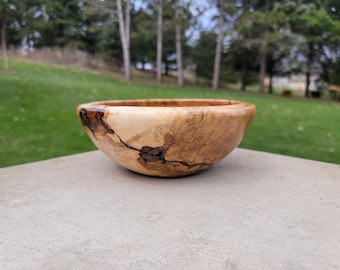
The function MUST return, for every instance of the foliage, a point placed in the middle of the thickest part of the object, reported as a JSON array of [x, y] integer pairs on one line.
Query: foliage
[[204, 55], [20, 18], [62, 25], [317, 23], [168, 46], [143, 38], [268, 37], [109, 45]]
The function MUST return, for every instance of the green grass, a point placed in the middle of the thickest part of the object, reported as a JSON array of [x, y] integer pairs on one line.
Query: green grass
[[38, 119]]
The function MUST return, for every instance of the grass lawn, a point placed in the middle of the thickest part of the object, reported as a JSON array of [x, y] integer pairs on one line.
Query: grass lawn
[[38, 119]]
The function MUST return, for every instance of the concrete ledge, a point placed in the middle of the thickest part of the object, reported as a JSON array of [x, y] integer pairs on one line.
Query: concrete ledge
[[253, 210]]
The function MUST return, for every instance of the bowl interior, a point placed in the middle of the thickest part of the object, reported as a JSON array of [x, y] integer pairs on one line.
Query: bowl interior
[[168, 102]]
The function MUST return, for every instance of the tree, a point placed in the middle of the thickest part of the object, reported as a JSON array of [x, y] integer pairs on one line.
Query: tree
[[266, 31], [204, 52], [124, 28], [143, 37], [227, 13], [219, 44], [16, 20], [4, 10], [109, 45], [159, 40], [111, 12], [62, 26], [312, 24], [316, 21], [178, 30], [244, 61], [159, 32], [10, 15], [330, 57]]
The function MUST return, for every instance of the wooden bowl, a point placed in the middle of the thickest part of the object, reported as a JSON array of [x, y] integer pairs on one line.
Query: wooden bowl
[[166, 137]]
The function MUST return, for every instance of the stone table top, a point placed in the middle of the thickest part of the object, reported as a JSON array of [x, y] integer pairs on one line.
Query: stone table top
[[253, 210]]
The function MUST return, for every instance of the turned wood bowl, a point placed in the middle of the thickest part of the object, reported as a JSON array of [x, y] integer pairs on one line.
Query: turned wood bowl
[[166, 137]]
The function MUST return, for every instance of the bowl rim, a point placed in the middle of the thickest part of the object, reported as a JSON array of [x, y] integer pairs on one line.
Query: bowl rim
[[168, 103]]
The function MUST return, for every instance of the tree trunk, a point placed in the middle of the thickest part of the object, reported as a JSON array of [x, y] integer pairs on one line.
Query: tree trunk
[[270, 86], [244, 75], [179, 45], [166, 68], [124, 28], [310, 57], [159, 41], [307, 81], [262, 68], [3, 44], [218, 51]]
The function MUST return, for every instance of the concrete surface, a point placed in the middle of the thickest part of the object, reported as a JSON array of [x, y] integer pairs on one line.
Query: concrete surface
[[251, 211]]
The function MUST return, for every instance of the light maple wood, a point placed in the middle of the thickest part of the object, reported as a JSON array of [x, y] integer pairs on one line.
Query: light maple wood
[[166, 137]]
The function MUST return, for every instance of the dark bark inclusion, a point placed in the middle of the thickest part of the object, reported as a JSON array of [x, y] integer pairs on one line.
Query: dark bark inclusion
[[93, 120]]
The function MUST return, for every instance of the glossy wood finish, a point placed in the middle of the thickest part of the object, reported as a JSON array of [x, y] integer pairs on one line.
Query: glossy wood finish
[[166, 137]]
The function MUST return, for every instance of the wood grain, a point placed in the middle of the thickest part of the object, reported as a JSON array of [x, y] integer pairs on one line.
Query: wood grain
[[166, 137]]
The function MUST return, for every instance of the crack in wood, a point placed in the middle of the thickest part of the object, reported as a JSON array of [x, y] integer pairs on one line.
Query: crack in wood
[[93, 120]]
